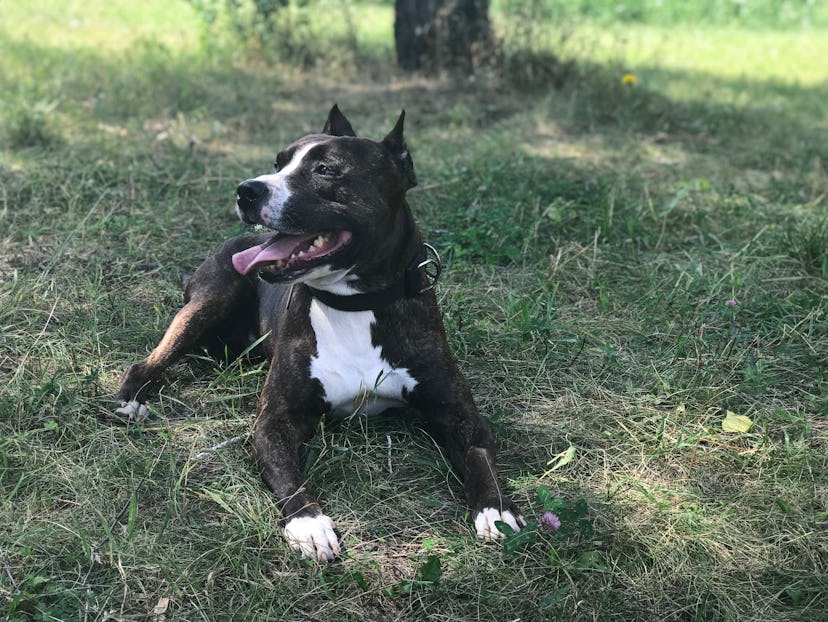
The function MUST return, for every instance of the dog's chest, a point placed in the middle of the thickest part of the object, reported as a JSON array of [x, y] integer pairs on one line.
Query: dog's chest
[[350, 367]]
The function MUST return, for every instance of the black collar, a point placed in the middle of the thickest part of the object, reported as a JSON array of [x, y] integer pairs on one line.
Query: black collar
[[420, 276]]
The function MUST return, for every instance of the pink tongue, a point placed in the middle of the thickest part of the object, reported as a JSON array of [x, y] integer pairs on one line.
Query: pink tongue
[[245, 261]]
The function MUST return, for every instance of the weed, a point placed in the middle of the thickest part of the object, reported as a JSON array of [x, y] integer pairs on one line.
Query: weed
[[808, 242], [265, 30], [32, 126]]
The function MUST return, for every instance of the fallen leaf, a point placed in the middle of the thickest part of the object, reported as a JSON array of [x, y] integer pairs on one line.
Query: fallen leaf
[[736, 423], [161, 607], [562, 459], [431, 570]]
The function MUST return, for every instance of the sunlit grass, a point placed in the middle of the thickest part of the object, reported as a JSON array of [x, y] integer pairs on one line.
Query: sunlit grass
[[791, 57], [100, 25]]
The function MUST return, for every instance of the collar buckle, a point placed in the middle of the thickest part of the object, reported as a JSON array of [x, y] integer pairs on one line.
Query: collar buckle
[[431, 267], [422, 272]]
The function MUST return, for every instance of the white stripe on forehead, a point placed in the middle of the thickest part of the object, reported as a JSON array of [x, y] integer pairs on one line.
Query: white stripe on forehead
[[296, 160], [279, 187]]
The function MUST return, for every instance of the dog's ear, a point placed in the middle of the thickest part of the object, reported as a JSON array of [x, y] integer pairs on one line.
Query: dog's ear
[[337, 124], [395, 143]]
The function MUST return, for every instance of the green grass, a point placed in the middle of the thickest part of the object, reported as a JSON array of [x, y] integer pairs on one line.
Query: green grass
[[593, 234]]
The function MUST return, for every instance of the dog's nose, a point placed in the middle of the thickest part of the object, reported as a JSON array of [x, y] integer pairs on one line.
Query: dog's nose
[[249, 196]]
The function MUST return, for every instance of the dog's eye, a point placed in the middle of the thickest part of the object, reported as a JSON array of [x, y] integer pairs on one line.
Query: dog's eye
[[321, 169]]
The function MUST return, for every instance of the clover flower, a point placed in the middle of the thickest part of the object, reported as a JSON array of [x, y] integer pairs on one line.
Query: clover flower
[[549, 522], [730, 303]]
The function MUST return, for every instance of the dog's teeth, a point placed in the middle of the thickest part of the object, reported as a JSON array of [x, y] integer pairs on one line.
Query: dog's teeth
[[320, 241], [279, 263]]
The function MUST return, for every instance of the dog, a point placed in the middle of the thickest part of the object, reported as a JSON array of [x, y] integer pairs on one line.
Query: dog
[[341, 287]]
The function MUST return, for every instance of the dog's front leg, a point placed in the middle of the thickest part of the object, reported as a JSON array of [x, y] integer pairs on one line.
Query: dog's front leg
[[470, 444], [214, 293], [288, 416], [186, 329]]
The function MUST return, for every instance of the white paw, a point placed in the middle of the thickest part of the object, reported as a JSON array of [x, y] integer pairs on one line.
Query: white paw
[[313, 536], [485, 521], [134, 411]]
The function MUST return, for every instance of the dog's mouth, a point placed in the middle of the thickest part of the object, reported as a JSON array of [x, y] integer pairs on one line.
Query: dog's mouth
[[290, 253]]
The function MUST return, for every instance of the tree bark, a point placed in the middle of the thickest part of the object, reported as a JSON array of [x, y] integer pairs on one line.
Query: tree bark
[[432, 35]]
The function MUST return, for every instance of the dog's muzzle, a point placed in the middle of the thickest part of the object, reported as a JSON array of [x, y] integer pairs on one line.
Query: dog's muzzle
[[249, 197]]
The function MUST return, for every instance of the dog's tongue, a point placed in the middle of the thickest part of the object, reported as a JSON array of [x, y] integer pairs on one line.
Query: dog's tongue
[[274, 250]]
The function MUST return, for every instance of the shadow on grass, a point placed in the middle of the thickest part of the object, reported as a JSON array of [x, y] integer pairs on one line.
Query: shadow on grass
[[176, 119], [150, 81]]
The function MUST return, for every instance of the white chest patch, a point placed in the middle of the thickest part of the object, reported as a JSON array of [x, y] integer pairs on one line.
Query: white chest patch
[[351, 369]]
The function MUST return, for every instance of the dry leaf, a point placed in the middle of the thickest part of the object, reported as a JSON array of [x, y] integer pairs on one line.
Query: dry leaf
[[161, 607], [736, 423], [561, 459]]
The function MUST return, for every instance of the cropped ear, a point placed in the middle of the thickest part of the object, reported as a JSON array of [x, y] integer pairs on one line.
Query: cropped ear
[[395, 143], [337, 124]]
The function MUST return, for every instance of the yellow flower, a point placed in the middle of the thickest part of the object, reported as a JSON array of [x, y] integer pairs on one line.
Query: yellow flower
[[629, 78]]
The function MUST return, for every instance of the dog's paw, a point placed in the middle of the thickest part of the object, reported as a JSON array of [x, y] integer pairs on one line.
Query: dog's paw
[[313, 536], [133, 411], [486, 518]]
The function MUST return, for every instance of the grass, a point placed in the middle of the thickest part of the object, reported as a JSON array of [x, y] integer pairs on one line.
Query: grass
[[594, 234]]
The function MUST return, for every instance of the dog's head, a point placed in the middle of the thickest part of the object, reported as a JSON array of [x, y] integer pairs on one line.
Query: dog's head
[[333, 202]]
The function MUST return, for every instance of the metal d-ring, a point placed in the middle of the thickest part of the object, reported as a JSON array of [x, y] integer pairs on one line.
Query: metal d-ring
[[431, 267]]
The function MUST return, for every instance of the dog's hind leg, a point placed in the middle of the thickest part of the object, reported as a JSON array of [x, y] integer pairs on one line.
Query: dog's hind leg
[[214, 294]]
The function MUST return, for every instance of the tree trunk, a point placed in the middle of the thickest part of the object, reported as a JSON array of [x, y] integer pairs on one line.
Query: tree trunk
[[432, 35]]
